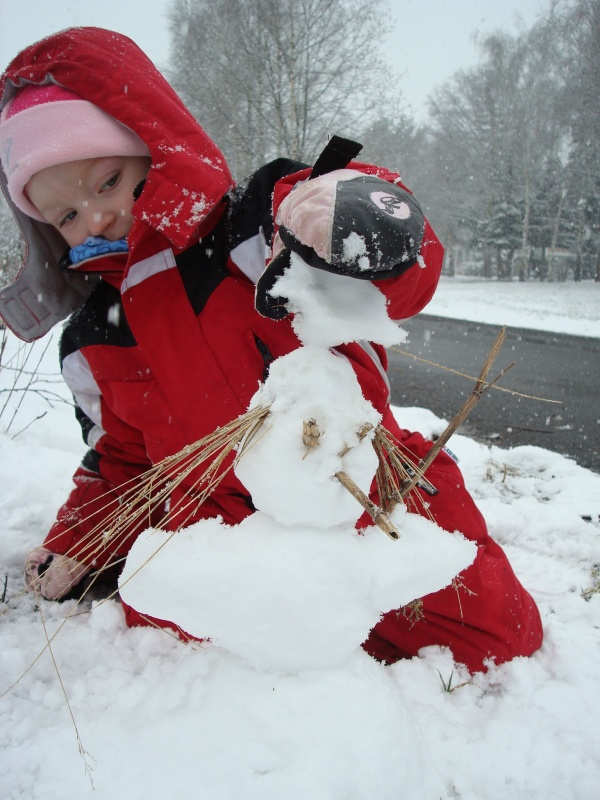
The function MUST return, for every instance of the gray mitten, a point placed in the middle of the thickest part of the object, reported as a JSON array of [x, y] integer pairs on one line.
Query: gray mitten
[[52, 575]]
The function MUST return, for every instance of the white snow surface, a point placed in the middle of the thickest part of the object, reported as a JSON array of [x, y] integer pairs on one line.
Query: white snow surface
[[569, 307], [288, 599], [333, 309], [157, 718]]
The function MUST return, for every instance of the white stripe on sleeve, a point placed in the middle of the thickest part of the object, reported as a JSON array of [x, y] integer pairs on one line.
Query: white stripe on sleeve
[[148, 267], [94, 436], [250, 256], [372, 353], [78, 376]]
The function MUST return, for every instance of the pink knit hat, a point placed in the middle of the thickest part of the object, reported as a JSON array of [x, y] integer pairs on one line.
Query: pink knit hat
[[47, 125]]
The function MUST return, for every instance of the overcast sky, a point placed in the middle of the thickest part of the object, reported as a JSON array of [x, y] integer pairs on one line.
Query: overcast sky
[[428, 40]]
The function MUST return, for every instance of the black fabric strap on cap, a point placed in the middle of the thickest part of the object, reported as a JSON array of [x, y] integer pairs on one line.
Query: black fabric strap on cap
[[335, 155]]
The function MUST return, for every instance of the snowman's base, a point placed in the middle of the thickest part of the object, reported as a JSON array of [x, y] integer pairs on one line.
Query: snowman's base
[[288, 599]]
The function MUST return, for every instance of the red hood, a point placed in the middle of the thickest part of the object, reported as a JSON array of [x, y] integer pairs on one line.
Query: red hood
[[188, 179]]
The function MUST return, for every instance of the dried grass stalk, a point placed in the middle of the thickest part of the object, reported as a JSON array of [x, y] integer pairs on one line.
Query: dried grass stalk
[[145, 498], [397, 467], [311, 434], [481, 386]]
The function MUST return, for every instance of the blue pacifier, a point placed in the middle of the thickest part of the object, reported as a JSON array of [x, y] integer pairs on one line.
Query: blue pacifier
[[96, 246]]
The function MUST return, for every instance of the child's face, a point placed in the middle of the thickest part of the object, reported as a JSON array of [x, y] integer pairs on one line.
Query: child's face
[[92, 197]]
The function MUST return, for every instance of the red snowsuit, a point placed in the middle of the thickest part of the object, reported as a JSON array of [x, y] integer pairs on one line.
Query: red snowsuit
[[168, 346]]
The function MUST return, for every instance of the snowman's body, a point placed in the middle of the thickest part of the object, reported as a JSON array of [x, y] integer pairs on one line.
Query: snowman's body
[[295, 585], [290, 476]]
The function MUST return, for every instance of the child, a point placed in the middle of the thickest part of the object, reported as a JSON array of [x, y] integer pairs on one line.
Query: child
[[164, 344]]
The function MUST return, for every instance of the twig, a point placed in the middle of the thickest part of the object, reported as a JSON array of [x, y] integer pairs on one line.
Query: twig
[[87, 757], [473, 378], [43, 377], [379, 517], [29, 382], [481, 386], [3, 341], [29, 424]]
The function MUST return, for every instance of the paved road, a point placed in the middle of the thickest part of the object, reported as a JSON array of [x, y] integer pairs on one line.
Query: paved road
[[565, 368]]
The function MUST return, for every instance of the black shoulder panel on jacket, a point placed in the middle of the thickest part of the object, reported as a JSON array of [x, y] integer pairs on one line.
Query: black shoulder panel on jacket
[[250, 207], [203, 267], [85, 422], [100, 321], [91, 461]]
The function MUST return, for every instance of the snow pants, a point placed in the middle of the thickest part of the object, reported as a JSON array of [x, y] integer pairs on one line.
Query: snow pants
[[484, 614]]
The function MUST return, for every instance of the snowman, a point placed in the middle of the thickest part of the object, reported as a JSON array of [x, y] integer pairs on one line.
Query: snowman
[[294, 585]]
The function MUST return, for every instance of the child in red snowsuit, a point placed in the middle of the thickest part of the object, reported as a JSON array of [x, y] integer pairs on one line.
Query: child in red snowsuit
[[163, 342]]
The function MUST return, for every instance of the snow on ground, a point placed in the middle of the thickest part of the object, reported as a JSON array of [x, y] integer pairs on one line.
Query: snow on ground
[[157, 718], [560, 307]]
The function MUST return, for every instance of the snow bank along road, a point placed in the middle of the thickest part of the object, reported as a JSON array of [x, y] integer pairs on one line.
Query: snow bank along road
[[551, 365]]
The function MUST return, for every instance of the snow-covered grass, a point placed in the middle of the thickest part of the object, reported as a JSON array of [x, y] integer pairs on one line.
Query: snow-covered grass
[[157, 718], [560, 307]]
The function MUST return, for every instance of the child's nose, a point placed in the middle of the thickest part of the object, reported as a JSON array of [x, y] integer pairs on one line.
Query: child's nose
[[99, 222]]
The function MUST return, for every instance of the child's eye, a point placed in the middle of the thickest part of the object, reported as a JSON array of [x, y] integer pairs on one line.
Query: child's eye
[[67, 218], [110, 182]]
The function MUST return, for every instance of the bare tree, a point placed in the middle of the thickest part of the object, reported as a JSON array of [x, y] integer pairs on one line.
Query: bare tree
[[580, 34], [268, 78], [395, 141], [497, 139]]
